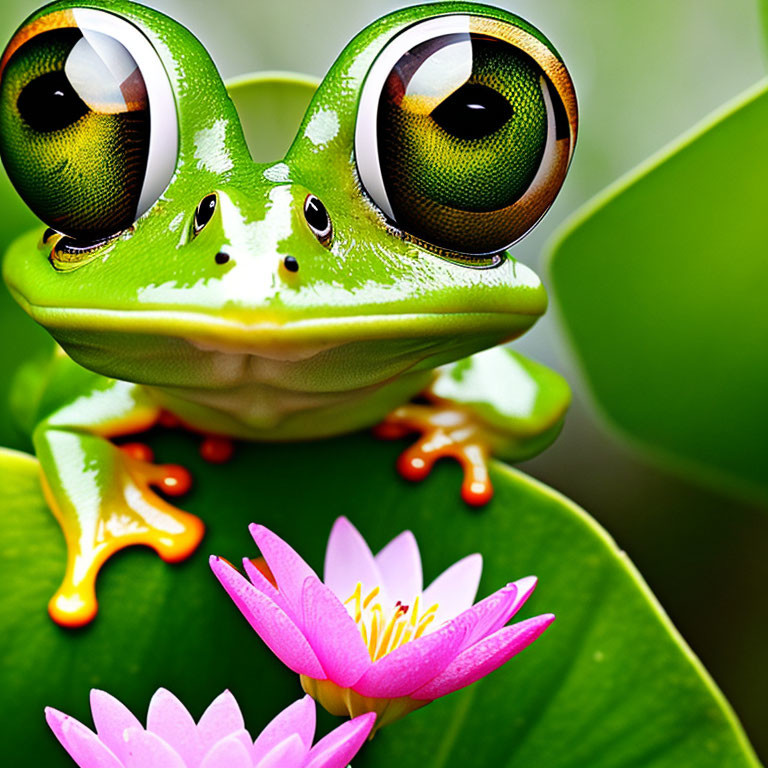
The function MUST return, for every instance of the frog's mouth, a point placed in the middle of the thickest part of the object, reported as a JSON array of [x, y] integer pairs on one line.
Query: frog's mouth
[[266, 337]]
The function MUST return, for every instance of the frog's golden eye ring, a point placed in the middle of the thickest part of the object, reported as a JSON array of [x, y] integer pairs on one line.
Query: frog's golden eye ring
[[88, 124], [465, 129]]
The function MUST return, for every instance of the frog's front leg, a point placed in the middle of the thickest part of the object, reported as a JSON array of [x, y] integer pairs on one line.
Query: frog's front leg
[[495, 403], [102, 494]]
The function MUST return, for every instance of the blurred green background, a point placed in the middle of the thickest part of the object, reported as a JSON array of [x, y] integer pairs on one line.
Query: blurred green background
[[645, 72]]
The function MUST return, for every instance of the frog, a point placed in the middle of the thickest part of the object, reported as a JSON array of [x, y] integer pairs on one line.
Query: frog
[[362, 279]]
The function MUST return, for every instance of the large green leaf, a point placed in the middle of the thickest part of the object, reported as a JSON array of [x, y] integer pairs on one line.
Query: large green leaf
[[271, 106], [609, 685], [661, 284], [21, 338]]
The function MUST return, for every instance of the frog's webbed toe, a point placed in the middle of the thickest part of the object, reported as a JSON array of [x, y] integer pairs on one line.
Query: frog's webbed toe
[[116, 507], [446, 431], [496, 403]]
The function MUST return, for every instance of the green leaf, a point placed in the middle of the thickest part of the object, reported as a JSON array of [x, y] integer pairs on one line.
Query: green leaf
[[22, 338], [661, 284], [271, 106], [609, 685]]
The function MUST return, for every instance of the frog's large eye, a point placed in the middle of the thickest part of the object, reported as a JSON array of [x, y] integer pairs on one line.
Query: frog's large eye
[[88, 126], [465, 131]]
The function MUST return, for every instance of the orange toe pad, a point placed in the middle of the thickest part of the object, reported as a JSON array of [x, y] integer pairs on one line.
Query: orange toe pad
[[446, 431]]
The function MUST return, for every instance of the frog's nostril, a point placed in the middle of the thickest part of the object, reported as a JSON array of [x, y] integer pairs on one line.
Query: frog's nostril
[[290, 263], [221, 257]]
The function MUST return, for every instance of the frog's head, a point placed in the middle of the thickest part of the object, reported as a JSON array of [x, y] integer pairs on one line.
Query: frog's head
[[437, 140]]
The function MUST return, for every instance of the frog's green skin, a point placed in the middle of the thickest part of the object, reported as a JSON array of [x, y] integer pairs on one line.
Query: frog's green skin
[[248, 349]]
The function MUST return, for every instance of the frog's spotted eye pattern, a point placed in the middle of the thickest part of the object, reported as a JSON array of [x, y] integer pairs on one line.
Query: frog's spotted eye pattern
[[465, 130], [88, 126]]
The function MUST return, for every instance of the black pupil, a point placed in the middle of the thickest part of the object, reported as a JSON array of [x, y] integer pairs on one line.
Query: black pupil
[[473, 112], [316, 215], [205, 211], [49, 103]]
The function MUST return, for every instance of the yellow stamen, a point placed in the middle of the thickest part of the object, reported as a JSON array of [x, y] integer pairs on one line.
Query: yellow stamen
[[383, 634], [370, 597], [374, 636], [356, 597], [398, 635]]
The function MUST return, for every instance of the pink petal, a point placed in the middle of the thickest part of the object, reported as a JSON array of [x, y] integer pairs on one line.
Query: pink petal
[[56, 720], [482, 659], [290, 753], [349, 560], [82, 744], [333, 635], [287, 567], [414, 664], [111, 718], [260, 581], [525, 589], [169, 719], [341, 745], [144, 749], [491, 614], [221, 719], [497, 609], [298, 719], [269, 621], [228, 753], [455, 588], [400, 566]]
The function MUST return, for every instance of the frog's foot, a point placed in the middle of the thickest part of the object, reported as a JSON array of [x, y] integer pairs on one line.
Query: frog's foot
[[446, 430], [171, 479], [124, 513], [216, 449]]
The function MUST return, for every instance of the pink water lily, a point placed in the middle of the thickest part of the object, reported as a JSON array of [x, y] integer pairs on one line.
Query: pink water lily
[[172, 739], [369, 638]]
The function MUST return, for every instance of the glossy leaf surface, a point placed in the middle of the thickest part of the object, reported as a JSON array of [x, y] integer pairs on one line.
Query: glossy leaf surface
[[610, 684], [271, 106], [661, 285]]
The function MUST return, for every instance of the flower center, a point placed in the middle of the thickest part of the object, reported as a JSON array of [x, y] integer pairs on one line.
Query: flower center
[[383, 633]]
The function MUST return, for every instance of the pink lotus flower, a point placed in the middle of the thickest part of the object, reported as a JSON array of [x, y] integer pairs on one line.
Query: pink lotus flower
[[172, 739], [370, 638]]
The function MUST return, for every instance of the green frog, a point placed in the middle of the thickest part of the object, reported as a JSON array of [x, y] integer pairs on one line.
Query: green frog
[[362, 279]]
